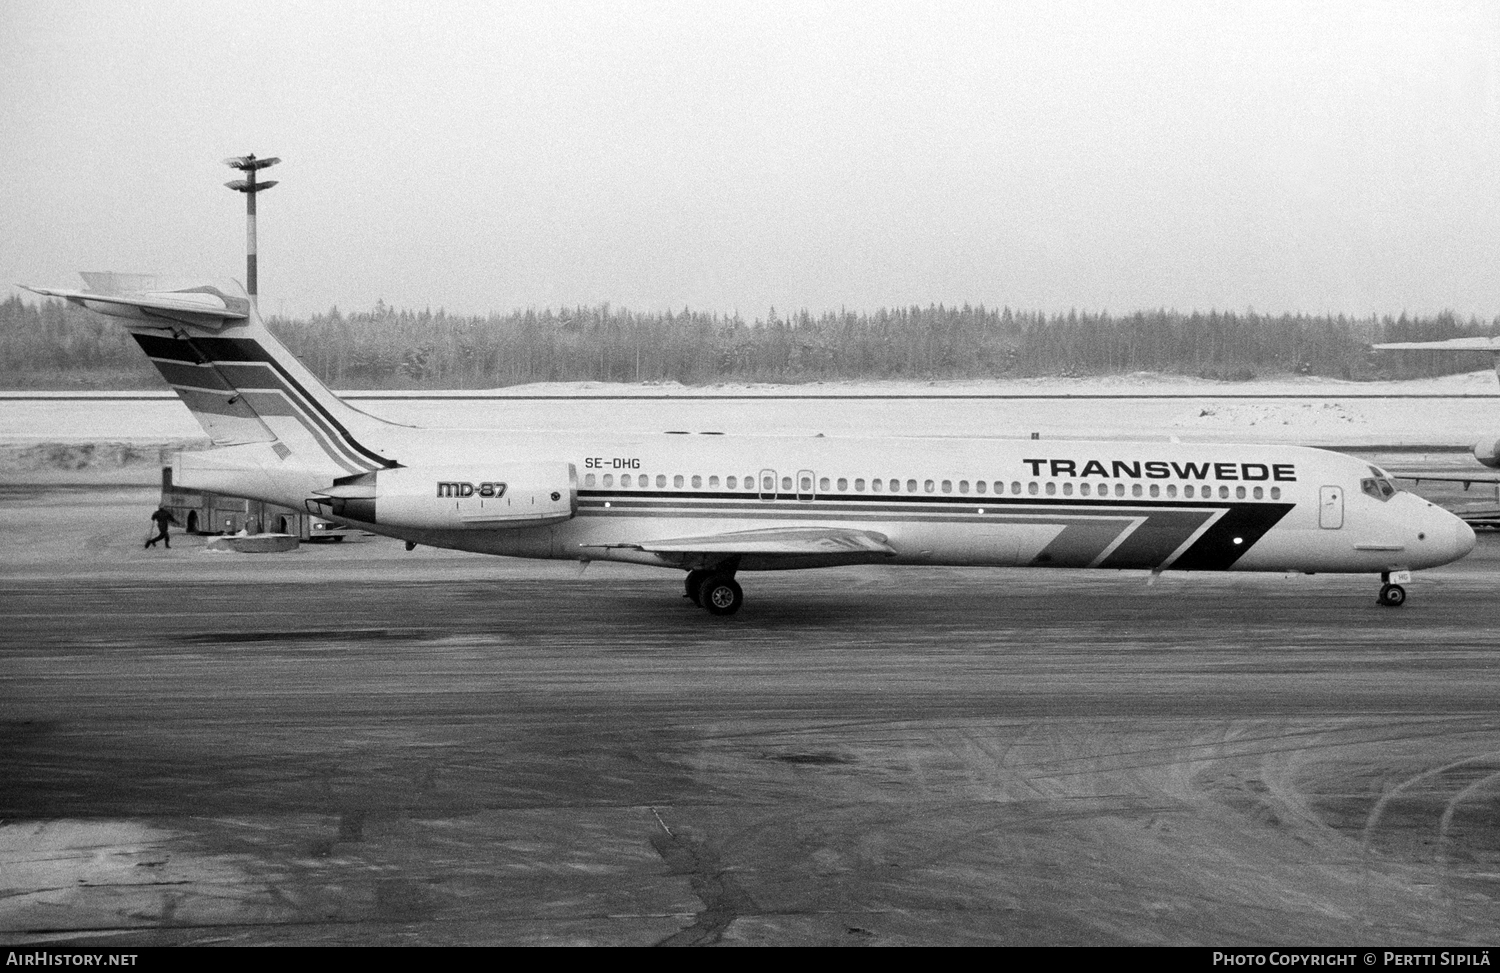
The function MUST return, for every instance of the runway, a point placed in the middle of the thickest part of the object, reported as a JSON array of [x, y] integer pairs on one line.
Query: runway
[[356, 745]]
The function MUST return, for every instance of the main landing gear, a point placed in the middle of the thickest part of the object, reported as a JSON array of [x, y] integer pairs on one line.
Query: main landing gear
[[715, 590], [1392, 595]]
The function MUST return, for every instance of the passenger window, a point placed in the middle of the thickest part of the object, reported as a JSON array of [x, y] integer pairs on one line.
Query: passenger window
[[1276, 493], [1171, 489], [588, 480], [963, 486], [1239, 493], [786, 484], [1187, 491], [843, 484], [1155, 490], [731, 482], [876, 485], [978, 486], [804, 484], [1031, 488], [1223, 493], [768, 484], [1135, 489], [1068, 489], [929, 486], [697, 482], [911, 486], [947, 486], [609, 479], [1083, 489], [1119, 489], [823, 484], [859, 486], [661, 479], [1015, 486], [713, 483], [1051, 489], [1259, 493]]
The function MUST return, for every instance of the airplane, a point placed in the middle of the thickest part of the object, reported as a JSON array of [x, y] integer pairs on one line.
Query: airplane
[[714, 506]]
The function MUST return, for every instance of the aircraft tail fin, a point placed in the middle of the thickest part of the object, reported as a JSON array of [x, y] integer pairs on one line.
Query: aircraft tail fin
[[241, 384]]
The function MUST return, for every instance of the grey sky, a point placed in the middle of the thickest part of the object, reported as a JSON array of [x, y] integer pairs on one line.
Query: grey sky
[[1286, 156]]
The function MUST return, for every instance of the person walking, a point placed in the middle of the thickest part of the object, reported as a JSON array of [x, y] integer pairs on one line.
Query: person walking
[[161, 519]]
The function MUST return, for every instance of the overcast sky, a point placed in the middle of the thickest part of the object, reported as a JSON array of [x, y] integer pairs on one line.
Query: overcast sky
[[1283, 156]]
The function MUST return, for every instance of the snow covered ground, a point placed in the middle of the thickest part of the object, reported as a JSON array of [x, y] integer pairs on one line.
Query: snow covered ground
[[1445, 410], [120, 434]]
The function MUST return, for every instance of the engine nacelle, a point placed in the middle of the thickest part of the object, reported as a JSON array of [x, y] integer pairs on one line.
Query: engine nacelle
[[1488, 453], [477, 496]]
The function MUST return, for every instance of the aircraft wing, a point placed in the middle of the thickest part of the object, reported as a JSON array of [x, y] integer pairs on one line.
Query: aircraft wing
[[1451, 344], [807, 546], [1417, 476]]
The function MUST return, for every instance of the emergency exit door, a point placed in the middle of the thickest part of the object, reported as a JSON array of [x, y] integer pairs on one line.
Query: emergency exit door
[[1331, 507]]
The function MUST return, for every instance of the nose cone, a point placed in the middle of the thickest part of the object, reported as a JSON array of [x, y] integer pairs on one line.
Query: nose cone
[[1463, 539]]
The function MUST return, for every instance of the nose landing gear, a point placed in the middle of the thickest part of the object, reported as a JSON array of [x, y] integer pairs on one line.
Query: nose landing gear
[[1392, 595]]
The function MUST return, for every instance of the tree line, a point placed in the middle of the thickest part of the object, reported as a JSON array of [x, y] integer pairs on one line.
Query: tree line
[[50, 343]]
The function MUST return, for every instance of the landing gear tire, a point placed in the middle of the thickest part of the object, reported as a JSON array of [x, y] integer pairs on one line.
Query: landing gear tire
[[720, 594], [1392, 596], [695, 581]]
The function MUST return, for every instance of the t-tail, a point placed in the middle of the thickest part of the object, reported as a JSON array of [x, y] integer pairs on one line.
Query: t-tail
[[259, 405]]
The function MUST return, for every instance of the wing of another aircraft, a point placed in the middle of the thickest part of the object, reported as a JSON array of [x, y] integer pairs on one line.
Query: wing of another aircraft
[[1417, 476], [1451, 344], [800, 546]]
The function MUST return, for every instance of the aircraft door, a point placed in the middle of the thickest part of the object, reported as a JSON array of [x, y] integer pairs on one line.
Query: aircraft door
[[1331, 507], [768, 484], [806, 485]]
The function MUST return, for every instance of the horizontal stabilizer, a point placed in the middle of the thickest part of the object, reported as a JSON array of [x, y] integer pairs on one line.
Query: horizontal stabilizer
[[204, 307]]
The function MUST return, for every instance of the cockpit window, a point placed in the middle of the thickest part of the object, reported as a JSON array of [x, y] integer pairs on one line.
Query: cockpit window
[[1378, 486]]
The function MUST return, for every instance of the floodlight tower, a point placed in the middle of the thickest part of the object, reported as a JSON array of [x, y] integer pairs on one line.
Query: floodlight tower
[[248, 164]]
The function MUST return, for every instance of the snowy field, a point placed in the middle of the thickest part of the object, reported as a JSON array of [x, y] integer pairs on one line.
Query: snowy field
[[118, 436]]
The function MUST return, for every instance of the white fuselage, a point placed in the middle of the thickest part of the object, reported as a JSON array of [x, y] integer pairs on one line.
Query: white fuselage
[[1058, 503]]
